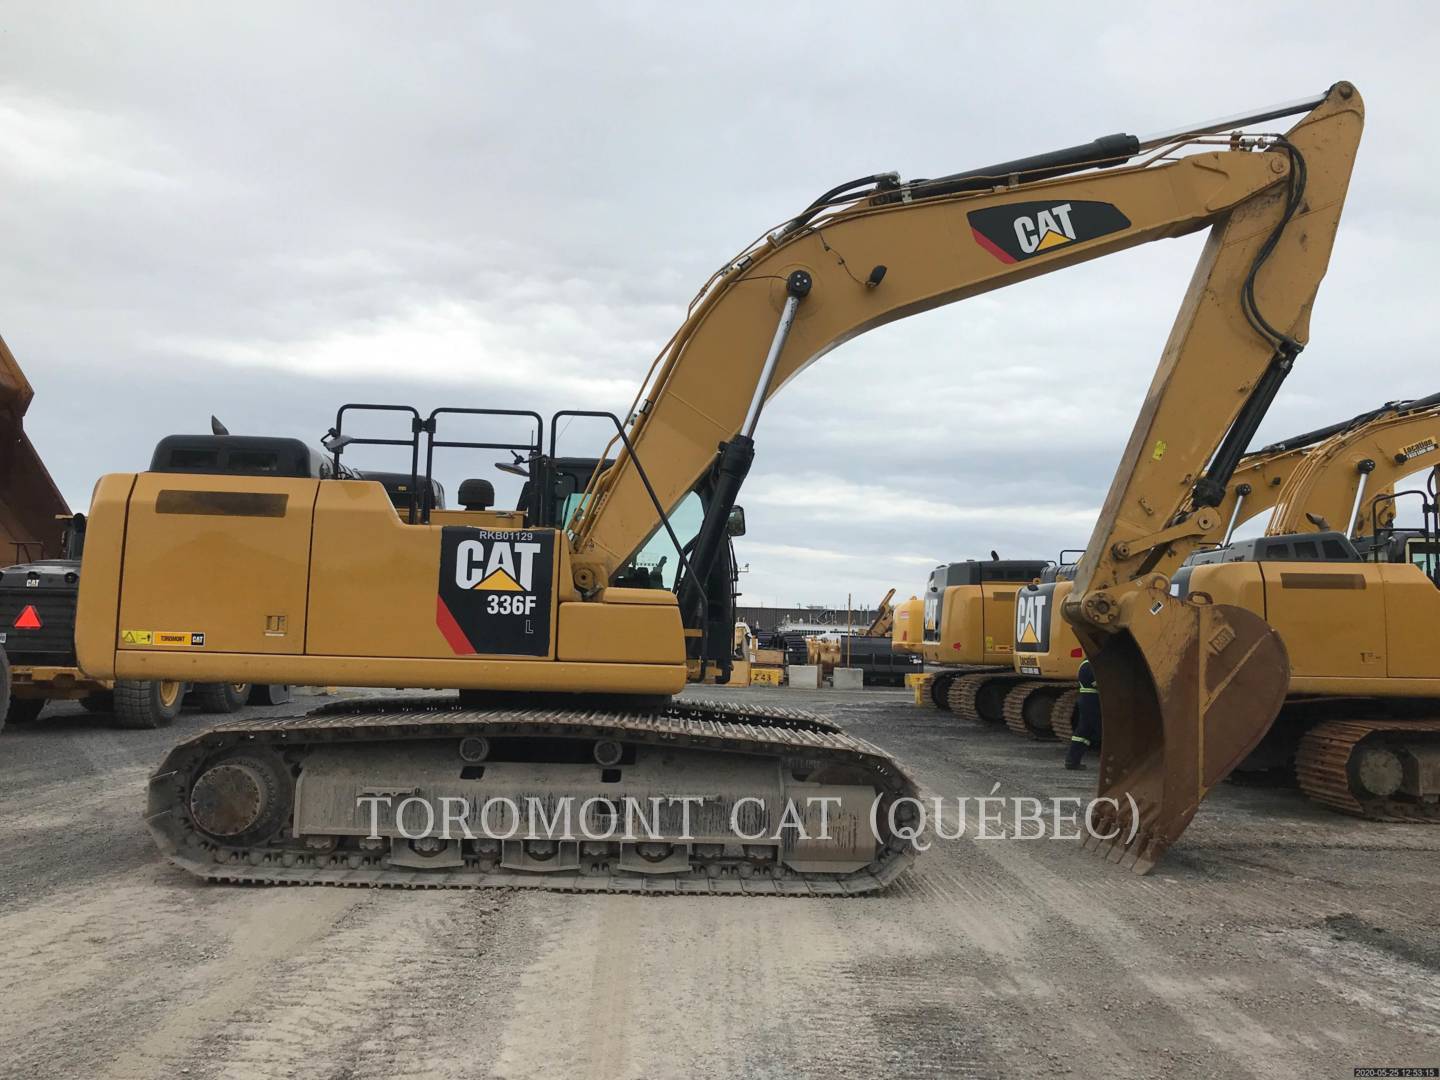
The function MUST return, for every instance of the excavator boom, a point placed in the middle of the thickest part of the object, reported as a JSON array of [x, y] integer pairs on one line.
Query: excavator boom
[[1339, 484]]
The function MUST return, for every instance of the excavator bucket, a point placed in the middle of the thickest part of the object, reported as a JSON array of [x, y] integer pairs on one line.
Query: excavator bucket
[[1187, 690]]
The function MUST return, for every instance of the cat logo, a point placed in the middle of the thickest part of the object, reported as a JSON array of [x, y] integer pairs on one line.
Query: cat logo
[[495, 590], [509, 568], [1021, 231], [1032, 630], [1047, 229], [1414, 450]]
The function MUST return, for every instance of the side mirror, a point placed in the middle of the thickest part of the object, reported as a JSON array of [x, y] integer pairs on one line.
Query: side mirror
[[735, 525]]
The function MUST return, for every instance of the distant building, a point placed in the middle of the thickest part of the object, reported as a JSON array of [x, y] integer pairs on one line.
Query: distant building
[[769, 618]]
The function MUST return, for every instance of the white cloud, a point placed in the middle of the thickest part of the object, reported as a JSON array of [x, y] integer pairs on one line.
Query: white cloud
[[825, 497], [446, 342], [49, 143]]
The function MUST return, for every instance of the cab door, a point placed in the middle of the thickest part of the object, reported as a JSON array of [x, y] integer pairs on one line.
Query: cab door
[[1413, 621]]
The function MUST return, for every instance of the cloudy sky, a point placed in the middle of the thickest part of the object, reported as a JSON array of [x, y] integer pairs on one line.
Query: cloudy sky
[[266, 210]]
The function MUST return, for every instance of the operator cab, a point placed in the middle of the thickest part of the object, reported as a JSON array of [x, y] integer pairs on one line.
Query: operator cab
[[1399, 546], [569, 477]]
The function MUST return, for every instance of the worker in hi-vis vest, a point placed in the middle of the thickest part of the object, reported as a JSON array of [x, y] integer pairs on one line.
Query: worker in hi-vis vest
[[1087, 718]]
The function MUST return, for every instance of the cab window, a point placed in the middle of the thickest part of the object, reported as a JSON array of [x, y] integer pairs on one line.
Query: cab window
[[657, 558]]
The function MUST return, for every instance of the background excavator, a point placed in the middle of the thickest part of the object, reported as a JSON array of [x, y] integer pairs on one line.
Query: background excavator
[[974, 610], [966, 621], [980, 617], [1359, 608], [558, 623], [1304, 471]]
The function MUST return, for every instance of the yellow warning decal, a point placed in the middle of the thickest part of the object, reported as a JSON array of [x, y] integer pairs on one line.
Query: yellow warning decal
[[500, 580], [167, 638], [1159, 452], [1415, 449]]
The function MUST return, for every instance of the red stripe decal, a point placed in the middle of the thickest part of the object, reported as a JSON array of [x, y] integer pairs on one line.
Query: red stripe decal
[[459, 643], [989, 245]]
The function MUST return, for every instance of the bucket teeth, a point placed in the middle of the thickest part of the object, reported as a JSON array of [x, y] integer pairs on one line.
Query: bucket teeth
[[1109, 838]]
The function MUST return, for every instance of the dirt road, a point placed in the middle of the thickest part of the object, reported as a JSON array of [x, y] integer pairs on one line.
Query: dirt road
[[1277, 940]]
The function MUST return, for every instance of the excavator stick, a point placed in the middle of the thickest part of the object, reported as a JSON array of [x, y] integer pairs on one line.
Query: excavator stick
[[1209, 679]]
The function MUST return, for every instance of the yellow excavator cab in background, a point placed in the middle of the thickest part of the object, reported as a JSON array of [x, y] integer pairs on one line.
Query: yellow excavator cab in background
[[969, 622], [907, 631], [1325, 474], [309, 580]]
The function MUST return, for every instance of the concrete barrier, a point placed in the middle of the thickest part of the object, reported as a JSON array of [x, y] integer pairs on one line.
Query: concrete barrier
[[848, 678], [803, 676]]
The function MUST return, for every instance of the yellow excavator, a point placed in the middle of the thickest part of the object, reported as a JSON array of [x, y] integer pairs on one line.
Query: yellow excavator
[[907, 628], [568, 636], [1358, 607], [974, 610], [966, 623], [1288, 476]]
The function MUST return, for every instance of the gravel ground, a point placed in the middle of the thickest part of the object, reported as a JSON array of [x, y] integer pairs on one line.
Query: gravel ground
[[1276, 940]]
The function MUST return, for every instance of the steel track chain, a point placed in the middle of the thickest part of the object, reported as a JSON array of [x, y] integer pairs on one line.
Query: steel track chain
[[1322, 766], [699, 724]]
